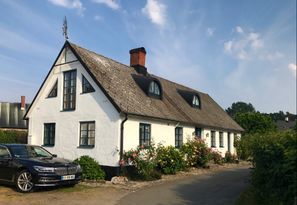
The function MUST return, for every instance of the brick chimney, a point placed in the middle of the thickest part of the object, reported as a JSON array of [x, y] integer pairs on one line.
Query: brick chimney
[[137, 59], [23, 102]]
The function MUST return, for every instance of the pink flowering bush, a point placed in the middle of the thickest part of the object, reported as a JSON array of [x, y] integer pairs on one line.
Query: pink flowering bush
[[144, 161], [196, 153], [230, 158], [216, 156]]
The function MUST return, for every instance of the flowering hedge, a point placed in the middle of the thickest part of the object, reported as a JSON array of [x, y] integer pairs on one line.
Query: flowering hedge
[[170, 160]]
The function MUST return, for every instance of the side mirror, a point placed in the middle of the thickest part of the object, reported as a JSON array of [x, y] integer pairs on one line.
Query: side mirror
[[54, 155]]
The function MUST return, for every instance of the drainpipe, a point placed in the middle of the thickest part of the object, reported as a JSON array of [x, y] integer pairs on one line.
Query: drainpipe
[[122, 137]]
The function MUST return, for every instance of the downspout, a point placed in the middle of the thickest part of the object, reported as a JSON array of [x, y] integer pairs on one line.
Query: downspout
[[122, 138]]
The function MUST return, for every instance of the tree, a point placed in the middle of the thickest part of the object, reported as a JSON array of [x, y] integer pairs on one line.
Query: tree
[[255, 122], [240, 107]]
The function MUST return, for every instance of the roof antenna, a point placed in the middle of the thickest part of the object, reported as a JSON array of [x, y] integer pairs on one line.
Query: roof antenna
[[64, 29]]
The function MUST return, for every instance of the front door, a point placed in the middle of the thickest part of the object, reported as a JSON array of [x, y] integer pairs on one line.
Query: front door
[[197, 132], [228, 142]]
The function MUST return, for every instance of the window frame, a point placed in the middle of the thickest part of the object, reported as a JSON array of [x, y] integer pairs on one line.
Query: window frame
[[213, 139], [179, 137], [198, 129], [221, 139], [84, 82], [8, 151], [197, 99], [67, 95], [49, 133], [156, 86], [87, 135], [54, 87], [144, 137]]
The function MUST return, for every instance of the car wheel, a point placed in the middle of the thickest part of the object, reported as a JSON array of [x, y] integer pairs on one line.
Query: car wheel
[[24, 181]]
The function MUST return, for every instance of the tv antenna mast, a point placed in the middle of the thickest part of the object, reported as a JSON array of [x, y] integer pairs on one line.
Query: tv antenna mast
[[64, 29]]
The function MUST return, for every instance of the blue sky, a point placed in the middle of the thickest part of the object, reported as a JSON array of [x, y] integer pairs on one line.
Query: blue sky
[[233, 50]]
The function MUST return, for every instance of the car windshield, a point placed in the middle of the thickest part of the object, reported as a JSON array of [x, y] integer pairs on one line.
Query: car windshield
[[29, 152]]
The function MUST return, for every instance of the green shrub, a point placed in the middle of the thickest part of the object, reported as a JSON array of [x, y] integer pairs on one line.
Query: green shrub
[[144, 161], [230, 158], [196, 153], [169, 160], [90, 168], [216, 156], [243, 146], [274, 177], [12, 136]]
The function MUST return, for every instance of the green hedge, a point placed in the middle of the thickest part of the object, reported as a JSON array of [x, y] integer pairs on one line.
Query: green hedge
[[11, 136], [274, 177], [90, 168]]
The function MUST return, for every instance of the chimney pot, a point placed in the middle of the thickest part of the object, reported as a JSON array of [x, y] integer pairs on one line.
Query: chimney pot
[[23, 102], [137, 59]]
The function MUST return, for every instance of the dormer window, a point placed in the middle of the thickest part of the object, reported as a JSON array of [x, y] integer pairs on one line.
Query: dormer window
[[196, 101], [154, 89], [54, 91]]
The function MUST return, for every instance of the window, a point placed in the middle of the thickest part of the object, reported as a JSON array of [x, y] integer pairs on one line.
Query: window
[[69, 93], [154, 89], [49, 134], [198, 132], [87, 134], [213, 139], [4, 153], [178, 137], [86, 86], [54, 91], [221, 137], [144, 134], [196, 101]]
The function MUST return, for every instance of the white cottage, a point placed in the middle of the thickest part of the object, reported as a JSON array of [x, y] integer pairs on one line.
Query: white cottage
[[92, 105]]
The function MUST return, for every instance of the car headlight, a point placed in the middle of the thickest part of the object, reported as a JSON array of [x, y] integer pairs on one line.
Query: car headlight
[[44, 169]]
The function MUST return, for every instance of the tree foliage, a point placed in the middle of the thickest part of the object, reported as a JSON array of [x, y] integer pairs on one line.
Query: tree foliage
[[255, 122], [240, 107]]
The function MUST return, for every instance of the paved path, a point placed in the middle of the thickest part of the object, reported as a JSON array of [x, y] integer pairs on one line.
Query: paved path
[[214, 188]]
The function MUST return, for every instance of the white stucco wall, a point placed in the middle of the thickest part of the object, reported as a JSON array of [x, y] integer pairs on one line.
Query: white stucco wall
[[164, 132], [89, 107]]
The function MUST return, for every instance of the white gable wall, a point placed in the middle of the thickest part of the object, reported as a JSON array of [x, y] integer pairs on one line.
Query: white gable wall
[[93, 106]]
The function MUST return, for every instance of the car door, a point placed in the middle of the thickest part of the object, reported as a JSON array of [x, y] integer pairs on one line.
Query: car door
[[6, 165]]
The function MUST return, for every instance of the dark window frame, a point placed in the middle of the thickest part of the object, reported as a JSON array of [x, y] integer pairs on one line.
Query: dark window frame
[[194, 101], [221, 139], [198, 130], [213, 138], [86, 85], [54, 91], [69, 104], [49, 134], [179, 137], [144, 134], [88, 131]]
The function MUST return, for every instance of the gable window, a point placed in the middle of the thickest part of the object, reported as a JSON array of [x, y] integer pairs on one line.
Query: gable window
[[154, 89], [49, 134], [54, 91], [86, 86], [144, 134], [178, 137], [221, 139], [196, 101], [213, 139], [69, 92], [87, 134]]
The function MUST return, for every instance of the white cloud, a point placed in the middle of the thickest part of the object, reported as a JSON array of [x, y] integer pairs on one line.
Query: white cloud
[[110, 3], [210, 31], [98, 18], [273, 56], [244, 45], [293, 68], [155, 11], [69, 4], [239, 29]]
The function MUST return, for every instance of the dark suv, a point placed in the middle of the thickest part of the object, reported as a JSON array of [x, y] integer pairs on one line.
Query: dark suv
[[29, 166]]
